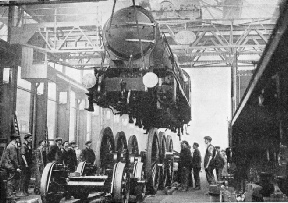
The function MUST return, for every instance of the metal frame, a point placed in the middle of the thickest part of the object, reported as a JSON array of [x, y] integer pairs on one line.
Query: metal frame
[[78, 44]]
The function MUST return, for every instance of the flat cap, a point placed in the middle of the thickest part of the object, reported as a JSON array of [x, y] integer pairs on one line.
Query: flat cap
[[208, 138], [87, 142], [27, 136], [58, 139], [217, 147], [72, 142], [184, 142], [14, 136], [196, 144]]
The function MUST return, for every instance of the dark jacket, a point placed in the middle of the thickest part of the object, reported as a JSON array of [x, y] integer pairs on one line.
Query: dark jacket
[[196, 159], [88, 155], [70, 159], [26, 150], [218, 160], [11, 157], [209, 153], [55, 154], [185, 158]]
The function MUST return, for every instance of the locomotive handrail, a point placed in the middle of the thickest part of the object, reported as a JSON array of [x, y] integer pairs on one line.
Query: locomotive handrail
[[142, 40], [133, 23]]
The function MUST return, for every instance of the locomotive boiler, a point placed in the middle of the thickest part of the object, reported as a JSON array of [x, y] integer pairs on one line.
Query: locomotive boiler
[[143, 79]]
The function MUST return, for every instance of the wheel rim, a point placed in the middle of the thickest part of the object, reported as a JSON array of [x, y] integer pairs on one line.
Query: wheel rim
[[121, 186], [45, 179], [163, 149], [169, 163], [121, 146], [133, 145], [152, 161], [105, 147]]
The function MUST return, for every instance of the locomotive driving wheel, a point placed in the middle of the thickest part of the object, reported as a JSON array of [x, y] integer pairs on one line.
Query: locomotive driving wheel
[[152, 169], [169, 162], [163, 172], [121, 186], [137, 191], [105, 148], [121, 146], [47, 188], [133, 145]]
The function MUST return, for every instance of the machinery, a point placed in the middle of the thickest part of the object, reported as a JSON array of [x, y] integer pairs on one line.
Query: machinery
[[144, 81], [121, 173]]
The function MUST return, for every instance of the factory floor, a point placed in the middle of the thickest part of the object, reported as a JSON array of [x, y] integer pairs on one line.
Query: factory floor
[[183, 197]]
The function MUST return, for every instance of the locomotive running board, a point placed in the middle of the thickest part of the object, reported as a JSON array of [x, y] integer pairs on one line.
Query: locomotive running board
[[86, 183], [88, 180]]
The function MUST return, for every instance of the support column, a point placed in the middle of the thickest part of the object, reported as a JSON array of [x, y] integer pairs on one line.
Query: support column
[[234, 69], [45, 104], [13, 73], [33, 111], [68, 109], [56, 111]]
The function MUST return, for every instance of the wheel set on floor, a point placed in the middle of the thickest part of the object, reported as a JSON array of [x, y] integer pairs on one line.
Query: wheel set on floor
[[126, 174]]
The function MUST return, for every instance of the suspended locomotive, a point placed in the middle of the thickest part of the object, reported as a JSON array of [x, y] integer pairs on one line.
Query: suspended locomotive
[[144, 81]]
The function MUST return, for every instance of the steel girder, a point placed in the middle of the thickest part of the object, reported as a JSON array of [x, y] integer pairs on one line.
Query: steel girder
[[78, 44]]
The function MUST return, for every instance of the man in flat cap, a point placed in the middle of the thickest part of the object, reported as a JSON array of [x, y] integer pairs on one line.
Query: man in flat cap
[[208, 160], [11, 163], [26, 163], [185, 165], [55, 152], [72, 156], [196, 165], [69, 155], [40, 162], [87, 154]]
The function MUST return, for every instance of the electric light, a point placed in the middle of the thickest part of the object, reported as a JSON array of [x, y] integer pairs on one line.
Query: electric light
[[89, 80], [150, 79]]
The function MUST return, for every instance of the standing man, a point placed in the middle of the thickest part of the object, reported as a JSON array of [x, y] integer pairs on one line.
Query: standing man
[[196, 165], [26, 155], [218, 163], [55, 153], [41, 160], [208, 160], [185, 164], [69, 156], [87, 154], [72, 163], [11, 162]]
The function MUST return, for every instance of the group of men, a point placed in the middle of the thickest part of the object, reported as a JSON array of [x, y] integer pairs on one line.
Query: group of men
[[191, 162], [17, 161]]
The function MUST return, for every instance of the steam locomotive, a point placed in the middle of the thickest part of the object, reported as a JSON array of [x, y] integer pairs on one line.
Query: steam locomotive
[[143, 79]]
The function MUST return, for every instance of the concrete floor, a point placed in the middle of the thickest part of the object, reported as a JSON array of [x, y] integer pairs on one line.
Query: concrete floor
[[183, 197]]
